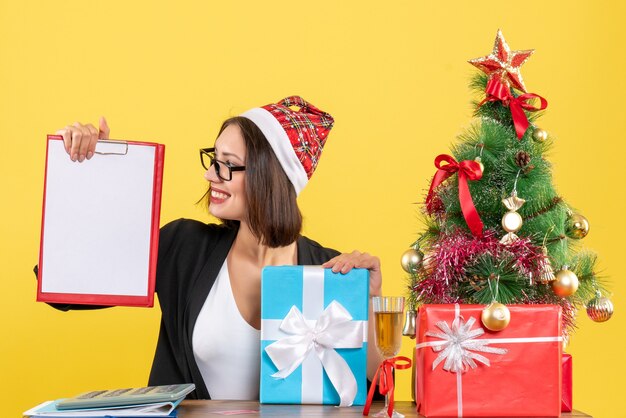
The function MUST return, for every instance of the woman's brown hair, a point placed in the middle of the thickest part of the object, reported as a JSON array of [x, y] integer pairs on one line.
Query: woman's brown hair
[[272, 214]]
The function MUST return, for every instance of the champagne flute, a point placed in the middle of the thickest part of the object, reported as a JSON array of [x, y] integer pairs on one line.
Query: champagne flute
[[388, 320]]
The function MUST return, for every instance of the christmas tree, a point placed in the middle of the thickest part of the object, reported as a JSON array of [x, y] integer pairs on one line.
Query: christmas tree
[[497, 231]]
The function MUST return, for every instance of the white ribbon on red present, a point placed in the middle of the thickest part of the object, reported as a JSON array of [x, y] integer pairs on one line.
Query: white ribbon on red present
[[458, 346]]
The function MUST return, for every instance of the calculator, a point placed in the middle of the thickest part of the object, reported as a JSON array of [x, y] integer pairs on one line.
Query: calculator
[[126, 397]]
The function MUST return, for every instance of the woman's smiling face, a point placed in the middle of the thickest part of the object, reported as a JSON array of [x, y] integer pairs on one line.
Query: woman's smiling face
[[228, 198]]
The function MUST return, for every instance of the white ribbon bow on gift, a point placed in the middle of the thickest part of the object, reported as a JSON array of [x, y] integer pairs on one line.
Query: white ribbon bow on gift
[[333, 329], [459, 344]]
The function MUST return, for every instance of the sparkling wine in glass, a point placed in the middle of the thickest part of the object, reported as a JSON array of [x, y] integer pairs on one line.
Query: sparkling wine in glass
[[388, 333], [388, 320]]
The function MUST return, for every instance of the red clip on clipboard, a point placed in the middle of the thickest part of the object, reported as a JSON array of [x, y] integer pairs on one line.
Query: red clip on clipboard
[[100, 224]]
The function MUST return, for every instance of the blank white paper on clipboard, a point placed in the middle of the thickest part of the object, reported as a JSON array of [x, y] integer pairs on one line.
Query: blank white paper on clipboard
[[100, 224]]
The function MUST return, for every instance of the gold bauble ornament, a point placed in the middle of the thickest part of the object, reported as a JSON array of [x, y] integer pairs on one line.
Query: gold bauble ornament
[[600, 308], [495, 316], [482, 166], [565, 283], [539, 135], [512, 221], [577, 226], [411, 260]]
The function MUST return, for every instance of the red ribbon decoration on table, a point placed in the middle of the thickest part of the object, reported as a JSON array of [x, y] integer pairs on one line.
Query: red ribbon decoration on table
[[467, 170], [496, 90], [385, 385]]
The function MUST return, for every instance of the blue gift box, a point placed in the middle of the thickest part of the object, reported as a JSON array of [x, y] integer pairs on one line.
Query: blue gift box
[[314, 322]]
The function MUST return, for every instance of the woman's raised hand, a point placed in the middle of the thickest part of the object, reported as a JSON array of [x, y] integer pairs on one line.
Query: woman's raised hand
[[80, 140], [347, 261]]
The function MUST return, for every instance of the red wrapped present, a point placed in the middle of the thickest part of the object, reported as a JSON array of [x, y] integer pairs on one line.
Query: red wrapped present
[[464, 369], [566, 399]]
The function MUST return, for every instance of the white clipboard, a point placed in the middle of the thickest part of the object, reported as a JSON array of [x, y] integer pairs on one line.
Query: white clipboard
[[100, 224]]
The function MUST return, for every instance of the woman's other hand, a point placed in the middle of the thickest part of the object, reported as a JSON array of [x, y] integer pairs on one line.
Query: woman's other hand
[[345, 262], [80, 140]]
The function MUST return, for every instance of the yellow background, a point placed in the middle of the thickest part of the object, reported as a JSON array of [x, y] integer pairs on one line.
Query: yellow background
[[394, 76]]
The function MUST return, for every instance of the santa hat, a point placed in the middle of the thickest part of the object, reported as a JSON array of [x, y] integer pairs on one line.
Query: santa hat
[[296, 136]]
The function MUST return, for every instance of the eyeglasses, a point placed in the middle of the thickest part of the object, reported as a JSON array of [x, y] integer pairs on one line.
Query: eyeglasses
[[223, 170]]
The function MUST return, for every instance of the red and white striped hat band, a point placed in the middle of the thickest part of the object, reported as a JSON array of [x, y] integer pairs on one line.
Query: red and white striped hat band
[[296, 136]]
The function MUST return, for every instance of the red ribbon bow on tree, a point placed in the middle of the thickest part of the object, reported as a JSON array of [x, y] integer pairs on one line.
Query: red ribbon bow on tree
[[496, 90], [467, 170], [385, 385]]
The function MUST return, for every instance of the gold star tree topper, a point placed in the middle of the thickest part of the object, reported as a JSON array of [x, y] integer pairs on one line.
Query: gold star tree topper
[[504, 63]]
